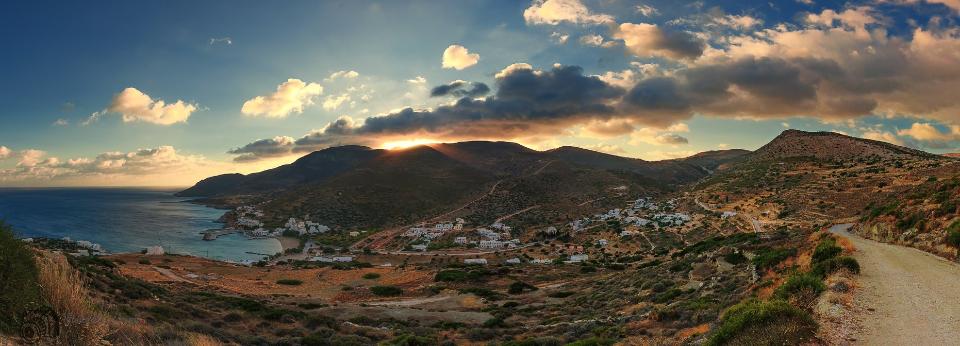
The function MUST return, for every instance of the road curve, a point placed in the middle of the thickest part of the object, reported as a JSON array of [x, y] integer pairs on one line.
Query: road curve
[[908, 297]]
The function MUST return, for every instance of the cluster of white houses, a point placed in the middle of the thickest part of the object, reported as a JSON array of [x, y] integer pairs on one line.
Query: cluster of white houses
[[425, 232]]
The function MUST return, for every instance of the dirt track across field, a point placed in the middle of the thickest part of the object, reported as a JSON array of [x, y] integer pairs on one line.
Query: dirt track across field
[[907, 296]]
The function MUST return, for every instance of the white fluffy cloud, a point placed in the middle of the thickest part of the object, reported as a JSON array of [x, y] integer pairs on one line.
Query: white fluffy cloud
[[133, 105], [649, 40], [346, 74], [596, 41], [553, 12], [647, 10], [109, 168], [291, 97], [458, 57], [334, 102], [4, 152]]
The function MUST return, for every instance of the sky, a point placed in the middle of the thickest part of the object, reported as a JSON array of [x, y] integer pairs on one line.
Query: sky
[[133, 93]]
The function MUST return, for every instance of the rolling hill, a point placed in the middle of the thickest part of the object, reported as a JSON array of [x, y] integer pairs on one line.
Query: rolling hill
[[356, 186]]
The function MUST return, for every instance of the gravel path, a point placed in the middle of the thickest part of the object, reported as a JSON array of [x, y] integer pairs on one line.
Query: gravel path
[[908, 297]]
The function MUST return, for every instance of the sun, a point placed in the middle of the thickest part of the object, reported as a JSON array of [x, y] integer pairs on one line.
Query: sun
[[402, 144]]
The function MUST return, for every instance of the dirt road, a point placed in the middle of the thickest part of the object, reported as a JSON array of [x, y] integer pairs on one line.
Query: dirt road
[[908, 297]]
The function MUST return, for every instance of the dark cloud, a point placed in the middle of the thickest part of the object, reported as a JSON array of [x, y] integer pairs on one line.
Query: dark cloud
[[460, 88], [672, 138], [263, 148]]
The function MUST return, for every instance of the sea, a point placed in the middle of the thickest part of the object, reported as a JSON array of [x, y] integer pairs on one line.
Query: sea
[[126, 220]]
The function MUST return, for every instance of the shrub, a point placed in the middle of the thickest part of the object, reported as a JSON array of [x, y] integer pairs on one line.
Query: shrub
[[456, 275], [594, 341], [386, 291], [824, 268], [410, 340], [519, 287], [289, 282], [371, 276], [495, 322], [560, 294], [756, 322], [144, 261], [953, 234], [826, 249], [803, 286], [481, 292], [769, 258], [19, 289]]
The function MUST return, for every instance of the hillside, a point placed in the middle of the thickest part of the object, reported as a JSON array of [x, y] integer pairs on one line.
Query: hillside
[[830, 146], [360, 187]]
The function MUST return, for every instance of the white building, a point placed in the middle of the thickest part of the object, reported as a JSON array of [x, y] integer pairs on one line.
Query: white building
[[419, 247], [602, 242], [541, 261], [460, 240], [343, 258], [727, 214], [514, 260], [577, 258], [482, 261], [155, 250]]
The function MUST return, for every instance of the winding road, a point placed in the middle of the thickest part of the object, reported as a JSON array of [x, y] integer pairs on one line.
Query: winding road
[[907, 296]]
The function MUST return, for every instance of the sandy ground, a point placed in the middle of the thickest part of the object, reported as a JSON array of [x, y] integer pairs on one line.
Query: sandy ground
[[289, 243], [907, 297], [323, 283]]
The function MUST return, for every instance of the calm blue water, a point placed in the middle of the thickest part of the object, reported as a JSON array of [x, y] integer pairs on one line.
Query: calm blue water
[[125, 220]]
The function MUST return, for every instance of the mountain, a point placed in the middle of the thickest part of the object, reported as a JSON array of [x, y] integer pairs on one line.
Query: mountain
[[831, 146], [356, 187]]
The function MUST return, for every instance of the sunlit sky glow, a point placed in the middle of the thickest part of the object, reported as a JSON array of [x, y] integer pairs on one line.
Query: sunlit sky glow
[[167, 93]]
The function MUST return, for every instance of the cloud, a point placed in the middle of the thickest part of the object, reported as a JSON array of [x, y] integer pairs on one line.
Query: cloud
[[109, 168], [351, 74], [291, 97], [527, 103], [559, 38], [133, 105], [417, 80], [5, 152], [741, 22], [458, 57], [459, 88], [930, 136], [334, 102], [596, 41], [222, 40], [60, 122], [884, 136], [647, 10], [553, 12], [654, 136], [270, 147], [649, 40], [607, 128]]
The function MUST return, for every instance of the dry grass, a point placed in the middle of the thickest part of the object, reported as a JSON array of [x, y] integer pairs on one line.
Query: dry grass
[[64, 288], [194, 339]]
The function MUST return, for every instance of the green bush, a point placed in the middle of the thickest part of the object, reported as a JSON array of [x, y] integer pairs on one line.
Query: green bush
[[144, 261], [756, 322], [371, 276], [519, 287], [289, 282], [768, 258], [953, 234], [560, 294], [386, 291], [797, 284], [19, 288], [826, 249], [824, 268], [456, 275]]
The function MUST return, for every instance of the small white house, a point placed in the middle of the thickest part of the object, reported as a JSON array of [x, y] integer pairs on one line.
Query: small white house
[[482, 261], [460, 240], [541, 261], [602, 242], [420, 247], [155, 250], [343, 258], [577, 258], [514, 260]]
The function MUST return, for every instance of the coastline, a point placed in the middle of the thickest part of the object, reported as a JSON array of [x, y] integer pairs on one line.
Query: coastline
[[288, 243]]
